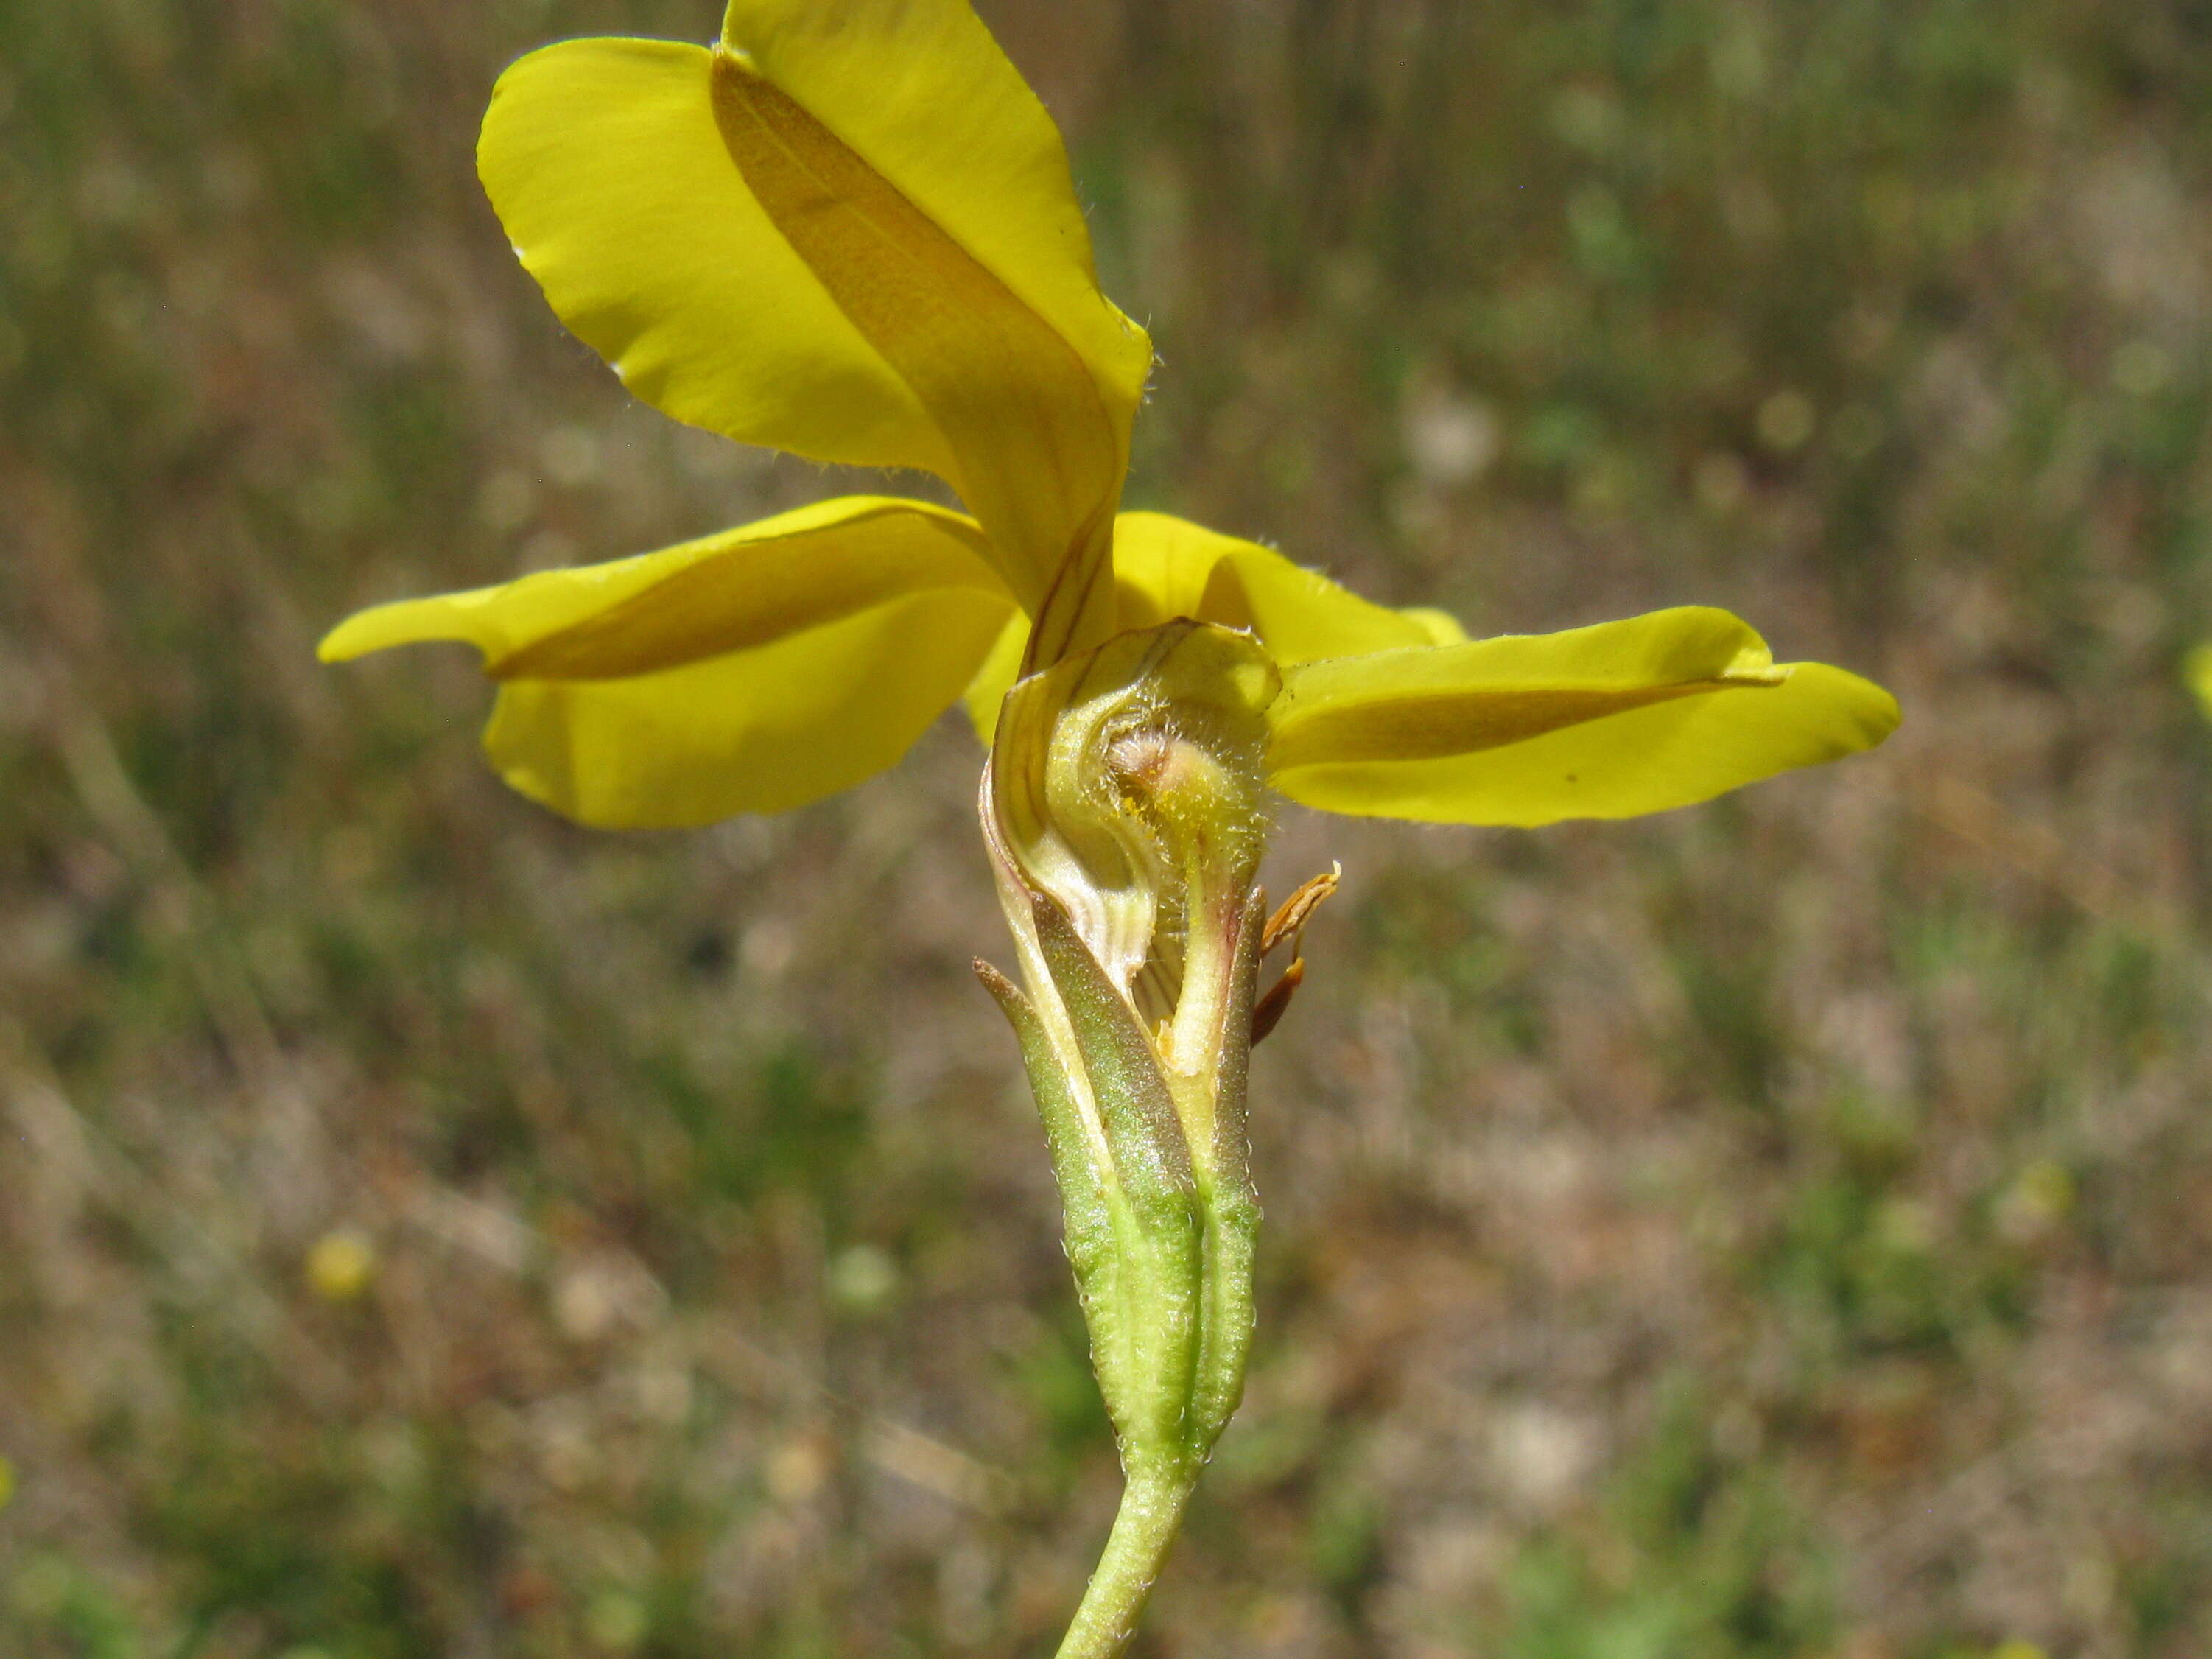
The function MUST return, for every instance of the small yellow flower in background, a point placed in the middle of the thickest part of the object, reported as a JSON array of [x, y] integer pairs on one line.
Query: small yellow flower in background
[[2017, 1649], [340, 1265], [2196, 670], [846, 230], [7, 1483], [2037, 1200]]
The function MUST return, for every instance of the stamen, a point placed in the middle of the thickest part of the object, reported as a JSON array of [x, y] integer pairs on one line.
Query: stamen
[[1290, 920], [1290, 923], [1269, 1009]]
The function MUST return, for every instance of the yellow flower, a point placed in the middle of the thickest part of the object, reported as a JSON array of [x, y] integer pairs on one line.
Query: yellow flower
[[2197, 670], [340, 1265], [848, 231]]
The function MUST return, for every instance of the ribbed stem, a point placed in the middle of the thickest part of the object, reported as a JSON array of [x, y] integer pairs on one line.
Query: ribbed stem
[[1152, 1510]]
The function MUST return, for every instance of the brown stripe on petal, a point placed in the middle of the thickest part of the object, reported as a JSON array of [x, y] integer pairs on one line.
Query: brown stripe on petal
[[1428, 725], [1038, 457], [757, 591]]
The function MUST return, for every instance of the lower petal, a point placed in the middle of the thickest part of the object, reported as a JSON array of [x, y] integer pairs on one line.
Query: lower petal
[[1606, 722], [727, 592], [746, 672], [756, 731]]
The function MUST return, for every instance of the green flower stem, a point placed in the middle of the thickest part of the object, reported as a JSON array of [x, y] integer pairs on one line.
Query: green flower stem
[[1151, 1512]]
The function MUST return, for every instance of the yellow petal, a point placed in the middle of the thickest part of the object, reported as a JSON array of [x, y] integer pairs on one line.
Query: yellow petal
[[1166, 567], [604, 162], [1002, 666], [752, 670], [1611, 721], [758, 731], [726, 592], [920, 177], [849, 231], [1441, 626]]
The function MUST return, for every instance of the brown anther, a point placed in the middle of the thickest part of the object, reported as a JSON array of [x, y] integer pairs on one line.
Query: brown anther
[[1269, 1008], [1291, 921]]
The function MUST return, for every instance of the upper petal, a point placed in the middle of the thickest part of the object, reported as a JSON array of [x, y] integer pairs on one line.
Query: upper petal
[[914, 172], [848, 231], [1621, 719], [920, 91], [750, 671], [604, 164]]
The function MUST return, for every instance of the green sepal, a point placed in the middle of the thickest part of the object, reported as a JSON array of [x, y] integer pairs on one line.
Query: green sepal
[[1087, 1217], [1152, 1197], [1230, 1203]]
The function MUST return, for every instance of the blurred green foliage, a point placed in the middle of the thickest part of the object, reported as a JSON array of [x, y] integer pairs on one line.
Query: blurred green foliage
[[1777, 1230]]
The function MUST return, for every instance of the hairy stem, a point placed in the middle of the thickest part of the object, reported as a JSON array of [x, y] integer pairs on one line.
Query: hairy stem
[[1151, 1512]]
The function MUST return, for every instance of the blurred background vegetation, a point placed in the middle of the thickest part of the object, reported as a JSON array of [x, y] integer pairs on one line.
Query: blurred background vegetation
[[1778, 1229]]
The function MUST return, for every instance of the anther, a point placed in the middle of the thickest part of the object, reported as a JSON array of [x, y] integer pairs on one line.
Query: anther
[[1289, 923], [1290, 920], [1269, 1008]]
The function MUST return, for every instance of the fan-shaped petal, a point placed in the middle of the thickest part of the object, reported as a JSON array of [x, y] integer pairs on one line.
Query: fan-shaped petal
[[1622, 718], [848, 231], [752, 670]]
